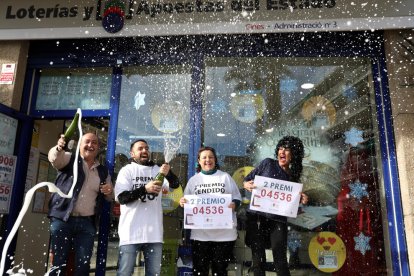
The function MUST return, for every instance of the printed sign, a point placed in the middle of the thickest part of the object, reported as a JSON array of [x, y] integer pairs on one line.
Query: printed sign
[[8, 126], [7, 73], [7, 168], [208, 211], [327, 252], [276, 196]]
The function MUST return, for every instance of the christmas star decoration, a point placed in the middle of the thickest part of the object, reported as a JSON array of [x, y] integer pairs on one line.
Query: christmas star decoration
[[139, 100], [362, 243], [353, 136], [358, 189]]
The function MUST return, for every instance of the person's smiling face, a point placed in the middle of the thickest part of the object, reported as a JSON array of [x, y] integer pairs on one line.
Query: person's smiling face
[[207, 160], [284, 156], [140, 152], [89, 147]]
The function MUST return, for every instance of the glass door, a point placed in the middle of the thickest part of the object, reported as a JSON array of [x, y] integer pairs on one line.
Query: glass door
[[155, 106]]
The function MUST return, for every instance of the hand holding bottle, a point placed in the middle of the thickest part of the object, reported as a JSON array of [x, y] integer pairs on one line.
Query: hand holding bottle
[[165, 168], [153, 188], [159, 178]]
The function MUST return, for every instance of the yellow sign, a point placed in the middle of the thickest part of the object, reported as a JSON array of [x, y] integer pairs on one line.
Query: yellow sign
[[240, 174], [327, 252], [171, 199]]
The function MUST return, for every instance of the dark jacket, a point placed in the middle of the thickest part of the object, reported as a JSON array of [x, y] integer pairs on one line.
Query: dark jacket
[[60, 207], [268, 168]]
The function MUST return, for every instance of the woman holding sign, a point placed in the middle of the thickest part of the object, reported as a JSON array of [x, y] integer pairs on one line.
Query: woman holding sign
[[264, 230], [211, 246]]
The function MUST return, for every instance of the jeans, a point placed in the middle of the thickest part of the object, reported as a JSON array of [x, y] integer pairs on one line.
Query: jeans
[[128, 256], [78, 234]]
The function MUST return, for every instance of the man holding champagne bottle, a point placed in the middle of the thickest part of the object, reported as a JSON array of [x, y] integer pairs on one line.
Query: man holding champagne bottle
[[141, 222]]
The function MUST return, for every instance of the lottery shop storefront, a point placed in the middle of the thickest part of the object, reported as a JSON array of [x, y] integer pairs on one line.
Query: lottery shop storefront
[[239, 92]]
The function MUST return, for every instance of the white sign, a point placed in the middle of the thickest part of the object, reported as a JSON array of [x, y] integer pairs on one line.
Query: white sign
[[208, 211], [7, 73], [7, 168], [84, 19], [276, 196]]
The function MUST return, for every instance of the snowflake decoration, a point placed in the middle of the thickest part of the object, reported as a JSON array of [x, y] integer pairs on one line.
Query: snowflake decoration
[[139, 100], [353, 136], [218, 106], [362, 243], [358, 189], [350, 92], [294, 241]]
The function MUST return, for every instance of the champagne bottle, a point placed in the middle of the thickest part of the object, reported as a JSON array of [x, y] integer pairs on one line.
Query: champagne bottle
[[159, 178]]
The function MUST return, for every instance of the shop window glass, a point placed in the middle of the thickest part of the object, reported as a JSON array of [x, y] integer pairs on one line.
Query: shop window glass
[[88, 88], [8, 125], [250, 103], [155, 106]]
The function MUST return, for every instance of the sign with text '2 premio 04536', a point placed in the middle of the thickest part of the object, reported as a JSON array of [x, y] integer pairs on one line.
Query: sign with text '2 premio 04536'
[[276, 196], [27, 19], [208, 211]]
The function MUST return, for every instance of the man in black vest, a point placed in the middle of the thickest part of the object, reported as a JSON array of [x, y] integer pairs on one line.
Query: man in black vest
[[72, 220]]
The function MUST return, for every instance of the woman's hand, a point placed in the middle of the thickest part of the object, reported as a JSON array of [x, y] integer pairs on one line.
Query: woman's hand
[[304, 198], [183, 201], [249, 185]]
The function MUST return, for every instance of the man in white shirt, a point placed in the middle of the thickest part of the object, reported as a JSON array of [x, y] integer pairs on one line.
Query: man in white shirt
[[141, 222]]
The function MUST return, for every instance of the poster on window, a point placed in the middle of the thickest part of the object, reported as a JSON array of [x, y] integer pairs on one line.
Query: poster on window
[[276, 196], [73, 91], [7, 73], [8, 126], [208, 211], [7, 168]]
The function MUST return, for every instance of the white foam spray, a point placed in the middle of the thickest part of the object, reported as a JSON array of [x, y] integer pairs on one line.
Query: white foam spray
[[171, 146], [28, 198]]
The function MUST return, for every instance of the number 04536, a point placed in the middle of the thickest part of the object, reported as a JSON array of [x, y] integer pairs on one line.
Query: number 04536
[[208, 210], [276, 195]]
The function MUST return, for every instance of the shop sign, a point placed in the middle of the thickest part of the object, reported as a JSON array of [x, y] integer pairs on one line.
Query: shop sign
[[97, 18]]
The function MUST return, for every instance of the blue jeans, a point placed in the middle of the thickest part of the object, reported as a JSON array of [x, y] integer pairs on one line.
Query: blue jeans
[[128, 256], [78, 234]]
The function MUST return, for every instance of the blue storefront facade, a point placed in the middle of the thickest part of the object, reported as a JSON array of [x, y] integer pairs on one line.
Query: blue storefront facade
[[239, 92]]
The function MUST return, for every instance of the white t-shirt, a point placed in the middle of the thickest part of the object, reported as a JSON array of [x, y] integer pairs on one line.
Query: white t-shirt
[[140, 221], [223, 184]]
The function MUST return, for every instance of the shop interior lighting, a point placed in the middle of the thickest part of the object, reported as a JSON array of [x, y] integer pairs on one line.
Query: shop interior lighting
[[307, 85]]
